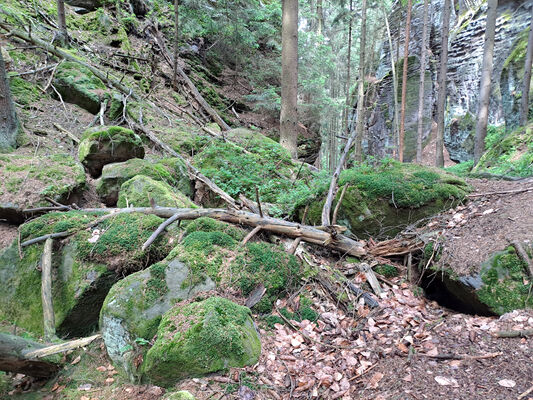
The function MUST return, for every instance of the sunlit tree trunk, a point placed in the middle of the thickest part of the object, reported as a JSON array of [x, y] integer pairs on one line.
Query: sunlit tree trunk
[[289, 77], [524, 109], [404, 78], [421, 91], [486, 75], [394, 80], [441, 95], [348, 71], [8, 117], [359, 127], [320, 17]]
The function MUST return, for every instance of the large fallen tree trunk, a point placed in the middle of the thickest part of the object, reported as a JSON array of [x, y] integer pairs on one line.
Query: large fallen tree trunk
[[14, 357], [330, 239]]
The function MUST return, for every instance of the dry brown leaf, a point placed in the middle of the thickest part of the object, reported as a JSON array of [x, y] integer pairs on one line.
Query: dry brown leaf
[[76, 360], [101, 368], [446, 381], [374, 380]]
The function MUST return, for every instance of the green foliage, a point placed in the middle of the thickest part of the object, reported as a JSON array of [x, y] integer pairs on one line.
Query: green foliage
[[494, 135], [388, 271], [461, 169]]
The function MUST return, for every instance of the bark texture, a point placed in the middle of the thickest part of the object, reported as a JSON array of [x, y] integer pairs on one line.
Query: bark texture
[[8, 117], [62, 22], [486, 75], [441, 96], [289, 77], [361, 89]]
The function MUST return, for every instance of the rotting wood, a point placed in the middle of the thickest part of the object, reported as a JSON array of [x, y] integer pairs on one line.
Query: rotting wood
[[370, 277], [524, 257], [15, 356], [46, 292], [62, 347], [528, 189], [515, 333]]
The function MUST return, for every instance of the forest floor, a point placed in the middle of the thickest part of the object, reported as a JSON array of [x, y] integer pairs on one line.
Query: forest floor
[[408, 348]]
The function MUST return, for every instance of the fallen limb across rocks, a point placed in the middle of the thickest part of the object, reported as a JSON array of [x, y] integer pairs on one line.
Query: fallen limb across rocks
[[310, 234]]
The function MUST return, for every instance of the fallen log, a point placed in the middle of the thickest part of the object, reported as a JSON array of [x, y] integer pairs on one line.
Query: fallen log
[[277, 226], [14, 357], [46, 291]]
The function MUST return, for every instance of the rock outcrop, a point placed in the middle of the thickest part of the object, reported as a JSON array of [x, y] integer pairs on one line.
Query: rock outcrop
[[464, 71]]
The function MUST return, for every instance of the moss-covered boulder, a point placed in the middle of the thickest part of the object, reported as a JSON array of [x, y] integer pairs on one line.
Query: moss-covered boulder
[[498, 285], [133, 309], [511, 155], [84, 267], [171, 170], [142, 191], [211, 248], [199, 338], [381, 200], [78, 85], [26, 181], [105, 145]]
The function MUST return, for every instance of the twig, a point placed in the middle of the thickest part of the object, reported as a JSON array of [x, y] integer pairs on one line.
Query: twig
[[258, 201], [338, 205], [513, 334], [49, 82], [250, 235], [35, 71], [61, 348], [502, 192], [525, 393], [66, 132], [46, 209], [362, 373], [159, 230], [461, 356]]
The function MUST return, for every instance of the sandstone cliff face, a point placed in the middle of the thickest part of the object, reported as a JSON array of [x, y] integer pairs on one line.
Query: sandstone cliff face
[[464, 71]]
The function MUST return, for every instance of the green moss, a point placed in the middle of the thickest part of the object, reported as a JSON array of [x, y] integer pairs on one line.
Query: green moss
[[55, 222], [205, 224], [200, 338], [518, 54], [504, 278], [24, 92], [388, 271], [140, 190], [156, 286]]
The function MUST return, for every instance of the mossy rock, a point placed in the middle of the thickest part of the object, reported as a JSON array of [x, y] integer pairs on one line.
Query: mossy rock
[[382, 200], [506, 285], [78, 85], [84, 269], [25, 181], [142, 191], [200, 338], [23, 91], [459, 139], [181, 395], [212, 249], [510, 156], [105, 145], [170, 170], [134, 307], [89, 5]]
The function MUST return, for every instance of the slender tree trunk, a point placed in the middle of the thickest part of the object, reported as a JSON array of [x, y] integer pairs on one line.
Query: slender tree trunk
[[332, 128], [404, 78], [320, 17], [62, 22], [49, 325], [348, 72], [359, 127], [441, 96], [421, 89], [8, 117], [486, 76], [289, 77], [524, 109], [176, 43], [396, 131]]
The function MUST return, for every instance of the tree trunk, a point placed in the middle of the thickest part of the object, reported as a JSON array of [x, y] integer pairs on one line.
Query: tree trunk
[[441, 96], [8, 117], [13, 357], [62, 22], [404, 78], [46, 292], [289, 77], [361, 89], [486, 75], [348, 71], [320, 17], [396, 131], [421, 89], [176, 43], [524, 109]]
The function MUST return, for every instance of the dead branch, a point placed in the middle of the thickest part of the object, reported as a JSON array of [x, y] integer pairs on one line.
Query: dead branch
[[62, 347], [502, 192], [250, 235], [46, 292], [461, 356], [396, 247], [338, 205], [524, 257], [513, 334], [159, 230], [66, 132]]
